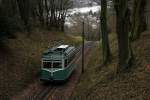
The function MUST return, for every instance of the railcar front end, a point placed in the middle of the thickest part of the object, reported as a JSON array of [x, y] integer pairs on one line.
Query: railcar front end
[[58, 63]]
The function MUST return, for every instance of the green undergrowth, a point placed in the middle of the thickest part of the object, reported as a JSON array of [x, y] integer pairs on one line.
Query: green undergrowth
[[20, 59], [102, 83]]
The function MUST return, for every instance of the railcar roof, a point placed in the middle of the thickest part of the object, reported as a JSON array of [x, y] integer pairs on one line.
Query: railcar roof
[[55, 54], [63, 46]]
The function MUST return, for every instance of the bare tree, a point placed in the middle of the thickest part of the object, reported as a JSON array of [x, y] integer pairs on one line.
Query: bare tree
[[53, 12]]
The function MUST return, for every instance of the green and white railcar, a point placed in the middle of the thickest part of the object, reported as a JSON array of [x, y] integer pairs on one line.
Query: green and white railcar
[[58, 63]]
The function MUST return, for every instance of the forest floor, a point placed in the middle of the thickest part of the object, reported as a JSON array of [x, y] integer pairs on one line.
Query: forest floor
[[102, 83], [20, 59]]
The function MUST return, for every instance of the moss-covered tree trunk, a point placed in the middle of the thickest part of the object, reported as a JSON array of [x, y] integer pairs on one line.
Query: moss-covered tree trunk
[[104, 30], [122, 13], [138, 19]]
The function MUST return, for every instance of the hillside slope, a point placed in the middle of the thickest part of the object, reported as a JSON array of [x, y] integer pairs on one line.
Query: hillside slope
[[102, 83]]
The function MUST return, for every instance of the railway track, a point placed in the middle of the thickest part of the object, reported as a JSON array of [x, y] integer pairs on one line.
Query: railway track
[[43, 93], [51, 91], [48, 92]]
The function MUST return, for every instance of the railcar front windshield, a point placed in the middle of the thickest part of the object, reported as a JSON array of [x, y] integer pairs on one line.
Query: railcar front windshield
[[57, 65], [52, 64]]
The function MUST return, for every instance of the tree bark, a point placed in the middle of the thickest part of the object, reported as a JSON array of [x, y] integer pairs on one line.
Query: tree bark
[[138, 19], [105, 40]]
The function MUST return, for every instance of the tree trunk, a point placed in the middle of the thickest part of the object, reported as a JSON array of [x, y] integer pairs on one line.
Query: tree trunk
[[24, 12], [122, 13], [138, 19], [105, 41], [41, 12]]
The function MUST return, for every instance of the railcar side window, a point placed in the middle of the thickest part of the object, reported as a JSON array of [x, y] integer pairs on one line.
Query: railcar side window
[[57, 65], [66, 62], [70, 59], [47, 64]]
